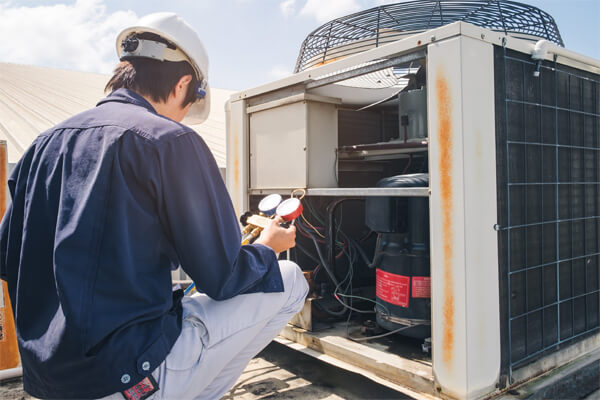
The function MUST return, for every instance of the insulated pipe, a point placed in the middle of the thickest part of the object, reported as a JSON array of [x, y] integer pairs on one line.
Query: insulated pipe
[[543, 47], [11, 373]]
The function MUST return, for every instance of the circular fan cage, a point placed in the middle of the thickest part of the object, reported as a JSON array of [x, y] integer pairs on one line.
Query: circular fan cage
[[377, 26]]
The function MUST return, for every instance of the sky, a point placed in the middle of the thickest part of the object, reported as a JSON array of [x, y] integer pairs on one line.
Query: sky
[[249, 42]]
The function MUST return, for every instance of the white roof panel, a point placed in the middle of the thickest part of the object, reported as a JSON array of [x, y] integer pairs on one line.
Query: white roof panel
[[33, 99]]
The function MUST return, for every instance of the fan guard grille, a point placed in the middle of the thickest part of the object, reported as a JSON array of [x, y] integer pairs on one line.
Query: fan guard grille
[[371, 28]]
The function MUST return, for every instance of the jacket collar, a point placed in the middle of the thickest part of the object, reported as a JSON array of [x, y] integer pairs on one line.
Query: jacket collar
[[127, 96]]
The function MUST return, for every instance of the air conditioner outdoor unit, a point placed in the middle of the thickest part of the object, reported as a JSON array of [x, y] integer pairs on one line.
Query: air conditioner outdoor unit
[[511, 151]]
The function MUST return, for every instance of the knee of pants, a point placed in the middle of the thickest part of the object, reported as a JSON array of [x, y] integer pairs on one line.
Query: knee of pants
[[294, 284]]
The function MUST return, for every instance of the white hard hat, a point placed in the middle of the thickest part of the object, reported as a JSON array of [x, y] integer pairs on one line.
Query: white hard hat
[[189, 48]]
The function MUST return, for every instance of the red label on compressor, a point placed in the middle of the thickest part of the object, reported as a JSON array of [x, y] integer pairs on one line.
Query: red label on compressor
[[393, 288], [421, 287]]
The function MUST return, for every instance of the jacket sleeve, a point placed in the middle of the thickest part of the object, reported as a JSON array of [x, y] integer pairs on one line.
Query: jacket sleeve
[[198, 216]]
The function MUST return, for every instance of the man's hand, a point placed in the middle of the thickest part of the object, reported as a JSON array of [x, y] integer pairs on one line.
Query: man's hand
[[277, 237]]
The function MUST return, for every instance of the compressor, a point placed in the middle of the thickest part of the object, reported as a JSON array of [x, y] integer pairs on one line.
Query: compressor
[[401, 259]]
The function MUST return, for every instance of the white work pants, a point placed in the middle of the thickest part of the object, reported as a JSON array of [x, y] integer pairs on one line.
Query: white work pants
[[219, 338]]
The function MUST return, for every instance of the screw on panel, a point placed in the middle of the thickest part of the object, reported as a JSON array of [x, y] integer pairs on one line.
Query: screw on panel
[[433, 38]]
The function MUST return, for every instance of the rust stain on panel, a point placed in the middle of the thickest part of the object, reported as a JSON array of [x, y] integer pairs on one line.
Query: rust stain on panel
[[445, 166]]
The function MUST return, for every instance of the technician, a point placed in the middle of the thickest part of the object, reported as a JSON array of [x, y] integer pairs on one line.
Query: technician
[[104, 205]]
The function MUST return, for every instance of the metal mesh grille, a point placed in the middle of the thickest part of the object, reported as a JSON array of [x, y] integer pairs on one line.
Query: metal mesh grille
[[380, 25], [549, 203]]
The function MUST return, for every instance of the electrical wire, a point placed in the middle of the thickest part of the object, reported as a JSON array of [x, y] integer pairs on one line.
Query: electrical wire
[[307, 253], [317, 268], [323, 262], [348, 247], [366, 299], [409, 162], [362, 339], [348, 251], [304, 232], [335, 295], [330, 312], [314, 229], [335, 167], [349, 276], [313, 212], [360, 251], [378, 253], [351, 254]]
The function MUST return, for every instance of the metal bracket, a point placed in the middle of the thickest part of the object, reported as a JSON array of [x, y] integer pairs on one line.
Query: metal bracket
[[366, 69]]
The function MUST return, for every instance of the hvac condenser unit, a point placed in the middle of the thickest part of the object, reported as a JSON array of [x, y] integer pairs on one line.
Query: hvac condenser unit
[[452, 179]]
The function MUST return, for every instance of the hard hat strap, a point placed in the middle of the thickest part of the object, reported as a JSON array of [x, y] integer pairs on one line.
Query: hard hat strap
[[150, 49], [134, 47]]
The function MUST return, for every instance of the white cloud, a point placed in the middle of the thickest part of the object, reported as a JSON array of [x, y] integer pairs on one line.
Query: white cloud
[[324, 11], [280, 71], [288, 7], [78, 36]]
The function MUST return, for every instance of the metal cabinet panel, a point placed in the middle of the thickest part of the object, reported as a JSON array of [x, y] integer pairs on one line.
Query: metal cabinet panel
[[292, 145], [278, 147]]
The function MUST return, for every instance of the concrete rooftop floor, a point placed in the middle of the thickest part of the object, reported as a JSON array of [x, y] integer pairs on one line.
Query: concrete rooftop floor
[[279, 373]]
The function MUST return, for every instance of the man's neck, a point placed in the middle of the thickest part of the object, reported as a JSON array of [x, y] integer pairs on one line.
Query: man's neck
[[170, 108]]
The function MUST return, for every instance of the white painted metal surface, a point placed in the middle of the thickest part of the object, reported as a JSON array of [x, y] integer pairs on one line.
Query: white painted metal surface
[[292, 144], [464, 257], [278, 147], [238, 156]]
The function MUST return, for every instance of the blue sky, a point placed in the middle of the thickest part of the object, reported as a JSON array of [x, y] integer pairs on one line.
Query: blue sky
[[249, 42]]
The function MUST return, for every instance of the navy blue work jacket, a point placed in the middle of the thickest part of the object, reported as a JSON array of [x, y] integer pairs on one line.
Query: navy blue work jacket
[[104, 204]]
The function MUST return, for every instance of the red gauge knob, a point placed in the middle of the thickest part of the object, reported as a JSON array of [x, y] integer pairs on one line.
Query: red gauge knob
[[290, 209]]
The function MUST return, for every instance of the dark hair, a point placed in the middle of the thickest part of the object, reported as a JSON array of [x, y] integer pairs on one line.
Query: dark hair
[[153, 78]]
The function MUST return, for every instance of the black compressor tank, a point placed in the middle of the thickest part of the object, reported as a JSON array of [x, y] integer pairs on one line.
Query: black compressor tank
[[401, 259]]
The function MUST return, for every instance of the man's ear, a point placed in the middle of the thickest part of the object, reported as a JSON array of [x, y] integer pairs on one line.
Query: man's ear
[[180, 89]]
